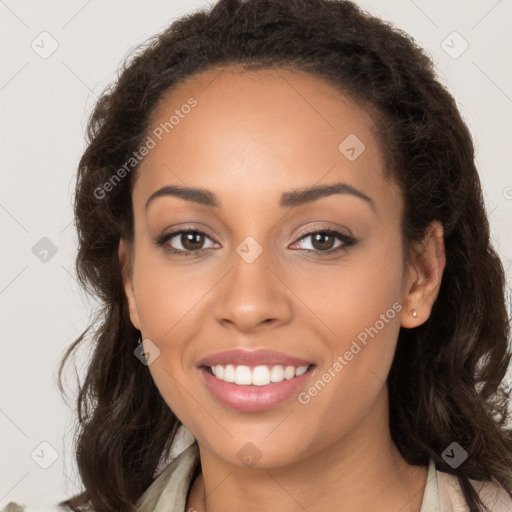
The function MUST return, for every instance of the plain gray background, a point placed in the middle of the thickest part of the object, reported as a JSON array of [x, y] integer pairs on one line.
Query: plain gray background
[[44, 105]]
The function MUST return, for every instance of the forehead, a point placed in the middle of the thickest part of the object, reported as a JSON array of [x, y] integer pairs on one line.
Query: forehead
[[260, 132]]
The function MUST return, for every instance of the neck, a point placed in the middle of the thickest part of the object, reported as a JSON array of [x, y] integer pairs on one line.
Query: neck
[[362, 471]]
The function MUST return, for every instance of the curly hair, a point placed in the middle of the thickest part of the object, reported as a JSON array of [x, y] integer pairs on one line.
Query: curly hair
[[446, 382]]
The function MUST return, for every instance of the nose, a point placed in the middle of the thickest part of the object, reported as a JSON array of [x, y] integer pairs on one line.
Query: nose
[[253, 296]]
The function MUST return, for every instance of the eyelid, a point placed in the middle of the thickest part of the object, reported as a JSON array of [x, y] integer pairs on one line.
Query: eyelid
[[161, 240], [346, 239], [316, 229]]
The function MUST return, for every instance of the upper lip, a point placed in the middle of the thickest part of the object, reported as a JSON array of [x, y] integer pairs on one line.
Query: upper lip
[[252, 358]]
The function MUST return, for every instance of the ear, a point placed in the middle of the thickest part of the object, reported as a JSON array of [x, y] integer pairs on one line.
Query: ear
[[125, 255], [426, 264]]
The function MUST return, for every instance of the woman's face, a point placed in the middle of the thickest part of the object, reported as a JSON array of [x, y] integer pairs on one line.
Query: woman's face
[[252, 141]]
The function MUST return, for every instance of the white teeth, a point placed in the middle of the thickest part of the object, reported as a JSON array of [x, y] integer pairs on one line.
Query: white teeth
[[277, 374], [301, 370], [229, 373], [289, 372], [258, 376], [242, 375]]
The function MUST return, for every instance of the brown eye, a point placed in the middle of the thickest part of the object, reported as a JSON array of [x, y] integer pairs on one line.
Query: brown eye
[[185, 242], [192, 240], [323, 241]]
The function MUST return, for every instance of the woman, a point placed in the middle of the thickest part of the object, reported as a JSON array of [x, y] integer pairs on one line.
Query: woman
[[280, 211]]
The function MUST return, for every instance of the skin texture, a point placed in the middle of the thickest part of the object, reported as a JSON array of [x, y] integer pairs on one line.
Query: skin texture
[[252, 136]]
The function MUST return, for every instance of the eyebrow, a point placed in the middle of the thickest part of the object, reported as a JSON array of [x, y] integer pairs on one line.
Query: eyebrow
[[289, 199]]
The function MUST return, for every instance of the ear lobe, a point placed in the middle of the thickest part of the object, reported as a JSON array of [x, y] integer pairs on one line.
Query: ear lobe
[[426, 269], [125, 259]]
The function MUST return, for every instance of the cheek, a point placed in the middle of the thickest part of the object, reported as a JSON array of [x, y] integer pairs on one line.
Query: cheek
[[353, 295], [375, 304], [167, 295], [360, 303], [168, 302], [171, 301]]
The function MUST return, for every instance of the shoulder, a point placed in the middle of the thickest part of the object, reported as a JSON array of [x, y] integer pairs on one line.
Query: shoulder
[[169, 490], [451, 498], [16, 507], [13, 507]]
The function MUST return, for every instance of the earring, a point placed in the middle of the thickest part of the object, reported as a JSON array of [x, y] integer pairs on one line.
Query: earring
[[413, 313]]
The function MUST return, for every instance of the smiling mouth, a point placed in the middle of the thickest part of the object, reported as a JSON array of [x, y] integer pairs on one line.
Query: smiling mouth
[[261, 375], [255, 388]]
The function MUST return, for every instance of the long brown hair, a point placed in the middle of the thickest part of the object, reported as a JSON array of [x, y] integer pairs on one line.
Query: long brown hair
[[446, 380]]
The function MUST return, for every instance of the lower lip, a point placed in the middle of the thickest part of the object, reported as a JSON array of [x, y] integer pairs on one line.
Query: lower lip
[[253, 398]]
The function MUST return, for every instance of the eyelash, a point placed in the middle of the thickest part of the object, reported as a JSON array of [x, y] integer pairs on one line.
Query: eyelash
[[347, 240]]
